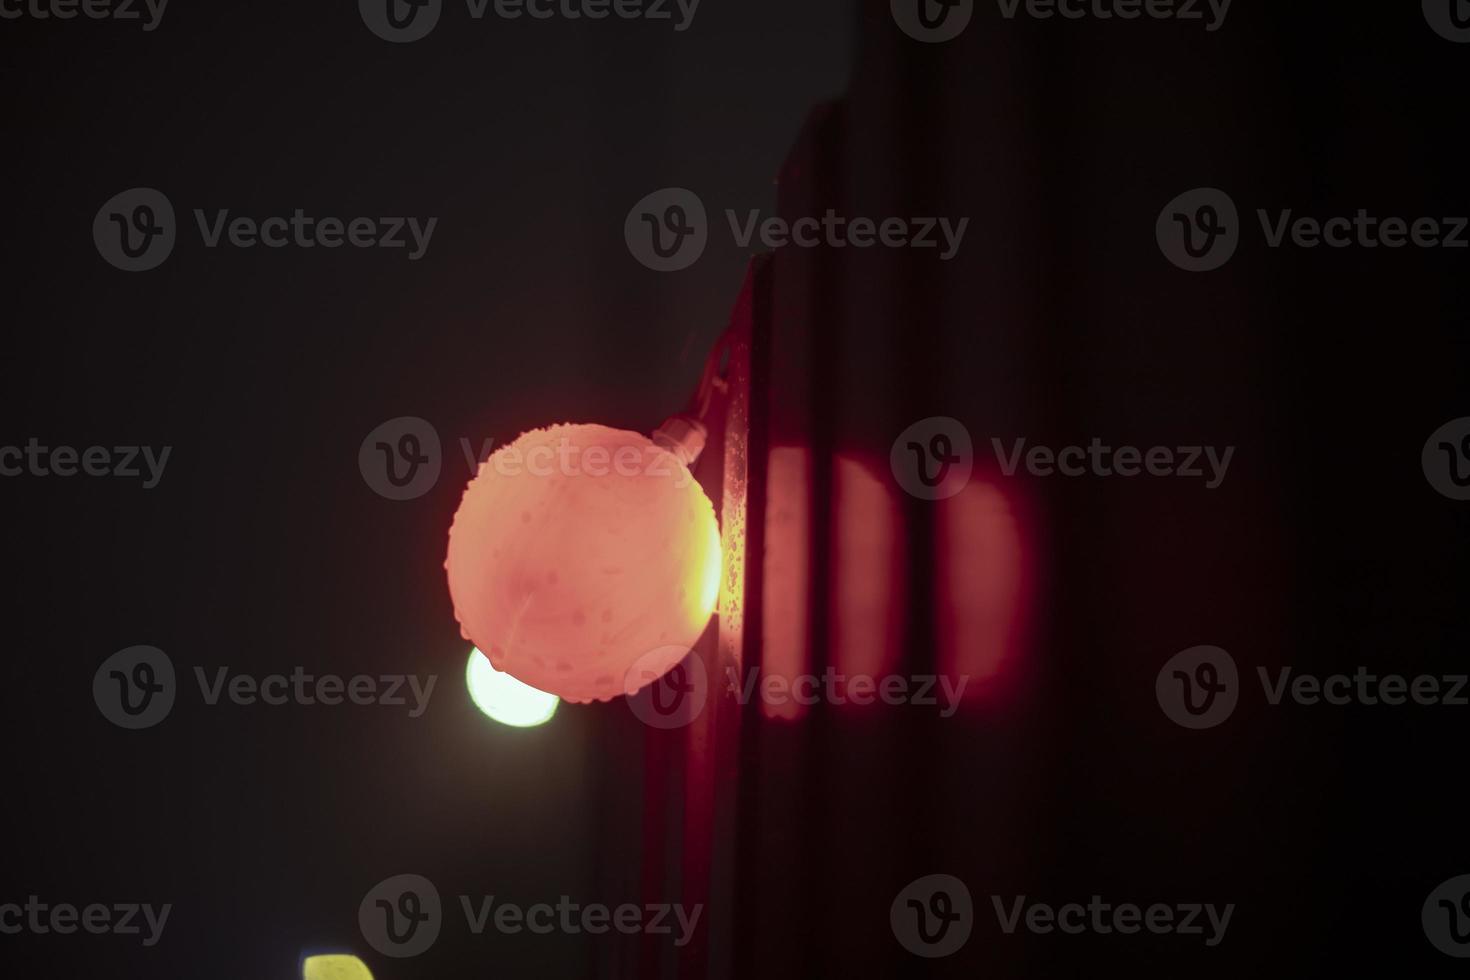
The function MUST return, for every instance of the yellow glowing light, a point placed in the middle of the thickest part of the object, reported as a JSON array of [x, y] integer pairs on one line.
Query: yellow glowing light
[[578, 550], [708, 588], [335, 966], [504, 698]]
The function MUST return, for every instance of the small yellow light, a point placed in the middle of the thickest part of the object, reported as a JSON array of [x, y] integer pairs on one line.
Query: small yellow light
[[505, 699], [335, 966]]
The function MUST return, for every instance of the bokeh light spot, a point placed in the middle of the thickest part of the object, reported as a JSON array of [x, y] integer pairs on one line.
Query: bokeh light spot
[[334, 966], [505, 699]]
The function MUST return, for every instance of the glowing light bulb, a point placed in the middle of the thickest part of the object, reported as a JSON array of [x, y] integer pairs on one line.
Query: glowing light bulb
[[578, 550], [504, 698], [334, 966]]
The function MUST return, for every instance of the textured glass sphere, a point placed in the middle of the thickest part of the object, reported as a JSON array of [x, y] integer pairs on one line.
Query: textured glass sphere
[[577, 552]]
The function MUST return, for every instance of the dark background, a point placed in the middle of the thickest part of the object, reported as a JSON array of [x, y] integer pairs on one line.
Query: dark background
[[263, 548]]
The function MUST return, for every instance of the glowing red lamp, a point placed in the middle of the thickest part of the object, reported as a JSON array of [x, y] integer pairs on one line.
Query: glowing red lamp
[[579, 550]]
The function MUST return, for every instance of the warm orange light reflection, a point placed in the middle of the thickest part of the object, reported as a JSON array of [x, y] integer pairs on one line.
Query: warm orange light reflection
[[983, 585], [867, 573], [981, 581], [866, 596], [786, 587]]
